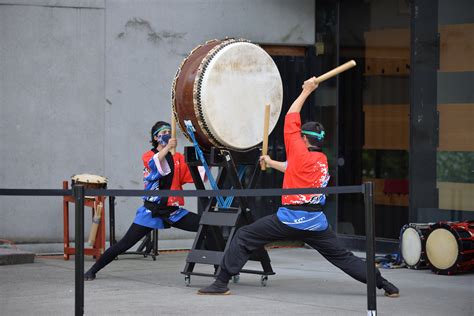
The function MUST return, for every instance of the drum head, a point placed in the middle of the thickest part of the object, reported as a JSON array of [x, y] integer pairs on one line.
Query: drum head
[[88, 178], [236, 84], [442, 248], [411, 246]]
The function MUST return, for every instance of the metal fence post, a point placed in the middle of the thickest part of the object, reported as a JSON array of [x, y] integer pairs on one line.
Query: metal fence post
[[78, 193], [370, 245], [112, 220]]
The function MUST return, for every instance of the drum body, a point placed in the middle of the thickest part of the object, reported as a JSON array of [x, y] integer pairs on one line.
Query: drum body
[[412, 244], [89, 181], [222, 88], [450, 247]]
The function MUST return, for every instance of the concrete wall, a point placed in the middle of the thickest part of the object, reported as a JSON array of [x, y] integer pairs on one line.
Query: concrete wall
[[52, 112], [82, 82]]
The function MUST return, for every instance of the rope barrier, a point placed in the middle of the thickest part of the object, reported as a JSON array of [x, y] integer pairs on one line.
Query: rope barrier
[[190, 193], [79, 193], [36, 192]]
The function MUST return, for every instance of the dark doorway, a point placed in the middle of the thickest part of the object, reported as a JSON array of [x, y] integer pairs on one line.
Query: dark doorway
[[374, 113]]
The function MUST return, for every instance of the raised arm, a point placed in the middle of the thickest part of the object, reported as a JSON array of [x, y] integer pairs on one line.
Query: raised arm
[[308, 87]]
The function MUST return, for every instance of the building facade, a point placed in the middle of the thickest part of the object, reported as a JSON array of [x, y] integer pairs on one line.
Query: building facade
[[83, 81]]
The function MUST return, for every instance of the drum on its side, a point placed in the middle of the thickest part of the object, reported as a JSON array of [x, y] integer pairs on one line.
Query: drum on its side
[[222, 88], [450, 247], [412, 244], [89, 181]]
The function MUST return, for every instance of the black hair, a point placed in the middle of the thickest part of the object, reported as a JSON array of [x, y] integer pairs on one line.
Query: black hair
[[156, 127], [317, 128]]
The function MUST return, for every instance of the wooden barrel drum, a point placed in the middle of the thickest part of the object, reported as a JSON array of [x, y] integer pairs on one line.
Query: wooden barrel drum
[[222, 88]]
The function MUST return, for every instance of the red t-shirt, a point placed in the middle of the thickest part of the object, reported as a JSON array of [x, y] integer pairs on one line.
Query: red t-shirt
[[181, 175], [304, 169]]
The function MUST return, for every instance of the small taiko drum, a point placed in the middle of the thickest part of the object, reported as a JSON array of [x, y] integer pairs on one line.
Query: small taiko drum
[[450, 247], [222, 88], [412, 244], [89, 181]]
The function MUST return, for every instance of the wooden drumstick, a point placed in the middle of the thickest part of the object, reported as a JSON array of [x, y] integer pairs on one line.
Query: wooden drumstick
[[173, 131], [95, 224], [336, 71], [266, 123]]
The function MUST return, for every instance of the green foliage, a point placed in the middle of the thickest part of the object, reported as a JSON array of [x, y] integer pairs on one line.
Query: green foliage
[[455, 166], [385, 164]]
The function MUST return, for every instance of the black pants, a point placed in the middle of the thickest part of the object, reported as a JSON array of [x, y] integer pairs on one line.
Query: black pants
[[269, 229], [189, 222]]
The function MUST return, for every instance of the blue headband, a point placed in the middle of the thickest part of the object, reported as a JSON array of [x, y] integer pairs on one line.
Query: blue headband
[[319, 135], [161, 128]]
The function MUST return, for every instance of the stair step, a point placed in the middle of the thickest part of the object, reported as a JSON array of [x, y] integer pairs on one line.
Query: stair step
[[15, 256]]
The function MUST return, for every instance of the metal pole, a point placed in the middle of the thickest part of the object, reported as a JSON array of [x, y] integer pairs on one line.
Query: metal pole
[[369, 231], [112, 220], [155, 242], [78, 193]]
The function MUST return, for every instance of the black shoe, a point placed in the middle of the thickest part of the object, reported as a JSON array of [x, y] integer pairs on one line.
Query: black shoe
[[390, 289], [89, 276], [216, 288]]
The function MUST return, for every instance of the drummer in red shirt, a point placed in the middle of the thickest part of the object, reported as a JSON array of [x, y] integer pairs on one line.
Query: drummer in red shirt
[[301, 216]]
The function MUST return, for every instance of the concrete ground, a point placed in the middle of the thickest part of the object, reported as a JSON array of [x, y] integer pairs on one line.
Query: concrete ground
[[304, 284]]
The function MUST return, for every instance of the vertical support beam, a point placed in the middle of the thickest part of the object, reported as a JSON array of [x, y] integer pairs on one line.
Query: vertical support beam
[[370, 239], [424, 64], [155, 242], [78, 192]]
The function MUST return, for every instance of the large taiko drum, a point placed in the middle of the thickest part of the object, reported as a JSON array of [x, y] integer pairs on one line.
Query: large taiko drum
[[412, 244], [450, 247], [222, 88]]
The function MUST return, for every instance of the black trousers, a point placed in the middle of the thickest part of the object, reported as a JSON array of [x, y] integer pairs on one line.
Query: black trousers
[[189, 222], [269, 229]]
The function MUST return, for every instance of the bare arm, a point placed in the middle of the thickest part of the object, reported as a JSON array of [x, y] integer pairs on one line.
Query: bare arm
[[308, 87], [277, 165]]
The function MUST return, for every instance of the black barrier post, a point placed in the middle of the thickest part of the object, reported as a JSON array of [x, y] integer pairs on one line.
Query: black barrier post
[[78, 193], [112, 220], [370, 245]]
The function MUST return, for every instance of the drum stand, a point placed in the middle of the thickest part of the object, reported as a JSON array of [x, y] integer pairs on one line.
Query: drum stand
[[210, 245]]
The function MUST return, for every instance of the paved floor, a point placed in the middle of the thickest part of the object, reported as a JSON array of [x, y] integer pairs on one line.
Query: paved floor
[[305, 284]]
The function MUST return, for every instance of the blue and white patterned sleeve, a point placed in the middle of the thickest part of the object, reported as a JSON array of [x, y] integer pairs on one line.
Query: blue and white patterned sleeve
[[157, 168]]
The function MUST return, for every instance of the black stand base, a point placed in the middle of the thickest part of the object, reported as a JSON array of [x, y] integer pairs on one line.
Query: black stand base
[[218, 225], [148, 246]]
